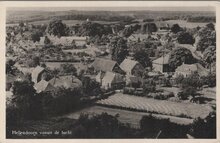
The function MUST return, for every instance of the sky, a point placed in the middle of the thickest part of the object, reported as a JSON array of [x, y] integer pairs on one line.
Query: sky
[[115, 9]]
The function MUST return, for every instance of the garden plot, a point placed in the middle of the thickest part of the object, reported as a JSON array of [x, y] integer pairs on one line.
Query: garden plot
[[143, 104]]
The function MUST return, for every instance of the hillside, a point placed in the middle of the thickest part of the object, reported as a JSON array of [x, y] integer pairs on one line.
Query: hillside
[[16, 16]]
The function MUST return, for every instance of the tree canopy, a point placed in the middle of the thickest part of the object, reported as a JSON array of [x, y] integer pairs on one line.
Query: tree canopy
[[180, 55], [176, 28], [57, 28], [185, 38], [142, 56], [119, 49]]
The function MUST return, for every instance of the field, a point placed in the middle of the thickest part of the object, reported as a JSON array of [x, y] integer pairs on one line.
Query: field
[[125, 116], [143, 104], [183, 23], [67, 22]]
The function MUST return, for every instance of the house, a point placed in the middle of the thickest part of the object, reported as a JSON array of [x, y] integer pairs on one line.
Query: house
[[43, 86], [161, 64], [66, 82], [37, 73], [132, 67], [110, 80], [162, 26], [66, 40], [101, 64], [137, 37], [187, 69]]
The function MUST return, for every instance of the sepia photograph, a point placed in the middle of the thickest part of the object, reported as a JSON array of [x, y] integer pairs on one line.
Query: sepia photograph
[[110, 72]]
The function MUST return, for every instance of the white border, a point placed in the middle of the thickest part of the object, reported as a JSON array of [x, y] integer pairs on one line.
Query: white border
[[4, 5]]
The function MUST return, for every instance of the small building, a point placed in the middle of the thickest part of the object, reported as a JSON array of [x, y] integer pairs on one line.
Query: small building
[[110, 80], [187, 69], [132, 67], [66, 82], [162, 64], [37, 73], [43, 86], [137, 37], [163, 26], [101, 64]]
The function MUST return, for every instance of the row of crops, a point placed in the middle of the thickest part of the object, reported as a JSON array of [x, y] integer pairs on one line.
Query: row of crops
[[143, 104]]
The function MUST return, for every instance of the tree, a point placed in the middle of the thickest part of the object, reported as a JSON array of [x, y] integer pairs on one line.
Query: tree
[[209, 55], [149, 85], [26, 100], [185, 38], [119, 49], [35, 36], [68, 69], [149, 28], [176, 28], [101, 126], [211, 26], [200, 127], [21, 24], [9, 64], [179, 56], [127, 31], [142, 56], [207, 37], [187, 92], [57, 28], [34, 61], [47, 41], [151, 126], [90, 86]]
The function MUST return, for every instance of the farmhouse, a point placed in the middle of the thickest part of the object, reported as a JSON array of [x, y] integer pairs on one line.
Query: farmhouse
[[37, 74], [187, 69], [110, 80], [66, 82], [43, 86], [132, 67], [105, 65], [161, 64]]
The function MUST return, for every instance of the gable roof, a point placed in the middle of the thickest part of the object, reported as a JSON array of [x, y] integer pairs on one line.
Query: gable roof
[[162, 60], [66, 82], [101, 64], [35, 73], [193, 68], [135, 37], [127, 65], [113, 77], [43, 86]]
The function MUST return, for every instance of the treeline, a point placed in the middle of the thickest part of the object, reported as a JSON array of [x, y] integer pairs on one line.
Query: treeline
[[95, 17], [108, 126], [190, 18], [201, 19]]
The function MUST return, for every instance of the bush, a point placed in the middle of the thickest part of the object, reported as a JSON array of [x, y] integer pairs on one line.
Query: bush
[[151, 126], [204, 128]]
